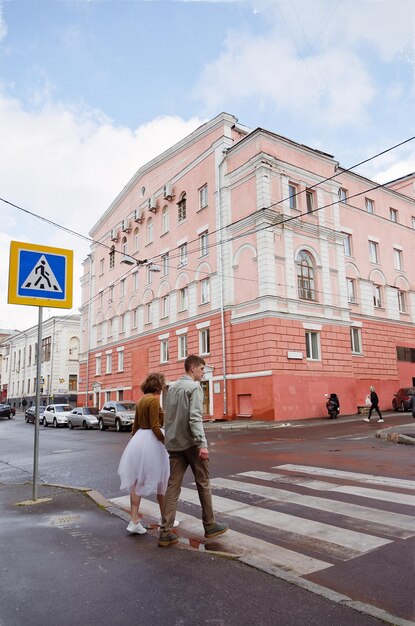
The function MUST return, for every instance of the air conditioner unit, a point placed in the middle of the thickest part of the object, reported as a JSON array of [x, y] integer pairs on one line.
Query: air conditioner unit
[[138, 216], [152, 204], [168, 191], [114, 234], [125, 226]]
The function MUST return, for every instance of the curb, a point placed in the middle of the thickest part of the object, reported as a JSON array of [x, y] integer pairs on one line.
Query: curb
[[395, 437]]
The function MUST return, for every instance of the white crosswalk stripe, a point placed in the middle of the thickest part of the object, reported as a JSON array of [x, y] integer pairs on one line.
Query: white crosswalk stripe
[[347, 530]]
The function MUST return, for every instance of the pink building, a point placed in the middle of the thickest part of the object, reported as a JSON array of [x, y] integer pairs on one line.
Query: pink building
[[291, 276]]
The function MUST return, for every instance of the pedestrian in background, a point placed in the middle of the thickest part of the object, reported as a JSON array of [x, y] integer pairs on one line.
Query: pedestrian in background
[[186, 443], [374, 406], [144, 465]]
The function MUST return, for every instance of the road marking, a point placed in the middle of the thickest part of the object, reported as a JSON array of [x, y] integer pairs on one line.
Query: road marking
[[364, 478], [318, 485], [391, 524], [351, 540], [237, 543]]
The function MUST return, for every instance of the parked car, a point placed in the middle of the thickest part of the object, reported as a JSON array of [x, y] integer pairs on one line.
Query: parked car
[[57, 414], [29, 414], [85, 416], [12, 408], [403, 399], [413, 409], [5, 411], [118, 415]]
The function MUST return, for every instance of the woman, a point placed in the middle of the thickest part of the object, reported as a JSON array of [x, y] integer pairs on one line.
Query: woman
[[374, 405], [144, 465]]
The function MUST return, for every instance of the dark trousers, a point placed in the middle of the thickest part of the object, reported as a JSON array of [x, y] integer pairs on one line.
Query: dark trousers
[[179, 462], [374, 407]]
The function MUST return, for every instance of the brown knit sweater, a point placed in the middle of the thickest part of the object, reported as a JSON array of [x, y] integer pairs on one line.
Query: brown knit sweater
[[149, 414]]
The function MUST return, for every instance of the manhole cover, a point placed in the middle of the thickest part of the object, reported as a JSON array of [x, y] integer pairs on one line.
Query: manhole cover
[[64, 520]]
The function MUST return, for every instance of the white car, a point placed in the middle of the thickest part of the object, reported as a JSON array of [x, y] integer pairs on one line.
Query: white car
[[56, 414], [85, 416]]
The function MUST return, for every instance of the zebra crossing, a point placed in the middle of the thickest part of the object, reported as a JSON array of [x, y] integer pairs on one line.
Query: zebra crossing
[[279, 519]]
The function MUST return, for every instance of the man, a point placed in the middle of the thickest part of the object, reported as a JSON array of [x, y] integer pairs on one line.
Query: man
[[186, 444]]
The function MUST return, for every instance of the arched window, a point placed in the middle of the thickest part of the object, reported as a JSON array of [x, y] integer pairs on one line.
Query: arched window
[[181, 208], [112, 257], [136, 241], [165, 219], [149, 230], [305, 276], [124, 245]]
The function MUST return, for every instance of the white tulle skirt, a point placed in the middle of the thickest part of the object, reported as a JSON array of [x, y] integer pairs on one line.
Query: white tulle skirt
[[145, 461]]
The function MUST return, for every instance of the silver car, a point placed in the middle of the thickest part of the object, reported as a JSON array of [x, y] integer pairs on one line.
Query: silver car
[[85, 416], [118, 415], [57, 414]]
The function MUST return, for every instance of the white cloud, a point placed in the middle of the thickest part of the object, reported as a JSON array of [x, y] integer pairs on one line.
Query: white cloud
[[67, 165]]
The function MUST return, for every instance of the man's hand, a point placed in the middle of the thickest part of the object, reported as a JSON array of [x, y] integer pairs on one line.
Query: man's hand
[[204, 454]]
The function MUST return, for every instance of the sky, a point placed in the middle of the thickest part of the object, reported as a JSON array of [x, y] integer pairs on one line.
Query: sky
[[91, 90]]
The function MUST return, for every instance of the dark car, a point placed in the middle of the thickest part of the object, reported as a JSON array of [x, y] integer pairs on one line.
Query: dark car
[[29, 414], [12, 408], [403, 399], [5, 411]]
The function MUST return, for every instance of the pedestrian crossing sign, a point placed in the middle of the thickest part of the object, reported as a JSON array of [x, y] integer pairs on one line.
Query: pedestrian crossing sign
[[40, 275]]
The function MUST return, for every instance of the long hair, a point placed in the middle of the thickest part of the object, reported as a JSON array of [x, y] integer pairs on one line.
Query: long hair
[[154, 383]]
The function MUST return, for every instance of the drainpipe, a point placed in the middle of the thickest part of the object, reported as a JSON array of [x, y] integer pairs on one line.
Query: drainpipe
[[222, 312], [89, 330], [51, 362]]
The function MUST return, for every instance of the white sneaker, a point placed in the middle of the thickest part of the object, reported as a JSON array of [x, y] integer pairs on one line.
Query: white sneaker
[[136, 528], [381, 420], [175, 523], [366, 419]]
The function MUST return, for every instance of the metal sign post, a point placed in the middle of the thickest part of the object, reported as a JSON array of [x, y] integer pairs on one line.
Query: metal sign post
[[39, 276]]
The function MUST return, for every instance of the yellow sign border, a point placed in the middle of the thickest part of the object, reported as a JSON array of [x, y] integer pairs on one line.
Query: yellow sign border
[[13, 295]]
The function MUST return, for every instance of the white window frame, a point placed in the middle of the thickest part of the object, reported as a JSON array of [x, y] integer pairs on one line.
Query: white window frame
[[149, 312], [351, 290], [165, 306], [370, 205], [343, 195], [120, 360], [165, 264], [204, 341], [150, 230], [122, 323], [136, 240], [398, 259], [164, 351], [182, 346], [401, 295], [393, 214], [413, 222], [122, 287], [204, 243], [203, 197], [312, 342], [292, 195], [183, 299], [134, 320], [347, 244], [165, 220], [149, 274], [101, 267], [374, 251], [108, 363], [204, 291], [356, 340], [183, 255], [111, 293], [135, 281], [98, 365], [377, 296], [309, 199]]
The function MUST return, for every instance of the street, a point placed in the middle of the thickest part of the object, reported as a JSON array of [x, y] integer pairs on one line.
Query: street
[[325, 502]]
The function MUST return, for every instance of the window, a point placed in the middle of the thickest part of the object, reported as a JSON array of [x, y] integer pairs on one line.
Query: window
[[292, 193], [374, 251], [181, 209], [101, 267], [183, 299], [149, 230], [111, 293], [110, 327], [124, 246], [309, 197], [347, 243], [203, 243], [393, 214], [149, 312], [203, 197], [165, 220], [401, 302], [28, 386], [351, 290], [134, 322], [107, 396], [46, 349], [122, 323], [413, 221], [101, 299], [109, 363], [312, 342], [29, 356], [397, 255], [305, 276], [405, 354], [204, 291], [369, 205], [122, 287], [165, 264], [149, 274], [73, 382], [343, 195], [112, 257], [182, 347], [165, 301], [136, 240], [120, 360], [99, 332], [183, 255], [204, 341], [135, 281], [97, 365], [356, 340], [164, 350], [377, 296]]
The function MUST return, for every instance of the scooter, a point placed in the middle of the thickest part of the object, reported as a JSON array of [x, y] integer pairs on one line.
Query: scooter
[[333, 406]]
